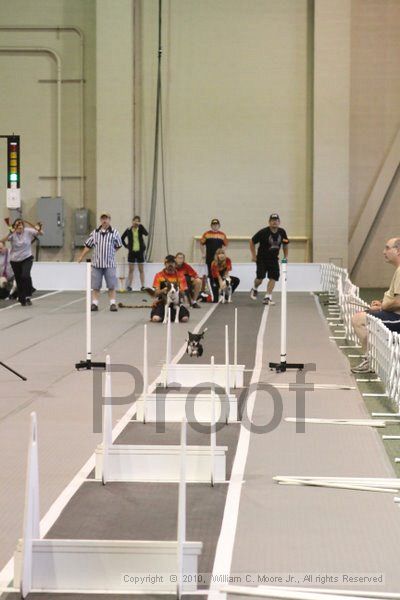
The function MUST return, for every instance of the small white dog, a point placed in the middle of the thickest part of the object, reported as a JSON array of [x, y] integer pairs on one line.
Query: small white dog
[[225, 294]]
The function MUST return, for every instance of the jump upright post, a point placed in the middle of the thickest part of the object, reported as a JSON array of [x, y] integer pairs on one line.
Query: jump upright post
[[282, 366], [88, 364]]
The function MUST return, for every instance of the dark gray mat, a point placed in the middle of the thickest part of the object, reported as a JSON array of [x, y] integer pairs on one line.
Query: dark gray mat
[[249, 317], [143, 511], [138, 433]]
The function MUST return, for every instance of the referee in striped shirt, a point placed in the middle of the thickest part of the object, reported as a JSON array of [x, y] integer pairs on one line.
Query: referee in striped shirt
[[106, 241]]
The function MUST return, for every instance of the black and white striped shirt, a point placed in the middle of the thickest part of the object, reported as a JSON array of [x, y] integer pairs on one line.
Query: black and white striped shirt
[[105, 243]]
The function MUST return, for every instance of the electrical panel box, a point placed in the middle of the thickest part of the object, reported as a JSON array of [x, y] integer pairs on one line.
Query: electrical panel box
[[81, 227], [50, 212]]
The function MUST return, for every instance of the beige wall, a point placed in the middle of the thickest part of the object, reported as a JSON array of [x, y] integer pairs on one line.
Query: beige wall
[[240, 115], [28, 106], [331, 130], [235, 113], [374, 122]]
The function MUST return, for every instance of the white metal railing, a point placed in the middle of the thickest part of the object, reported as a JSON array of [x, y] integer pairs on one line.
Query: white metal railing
[[383, 344]]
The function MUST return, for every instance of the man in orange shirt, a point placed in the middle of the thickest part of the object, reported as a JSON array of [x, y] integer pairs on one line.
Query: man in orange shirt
[[168, 275], [192, 279]]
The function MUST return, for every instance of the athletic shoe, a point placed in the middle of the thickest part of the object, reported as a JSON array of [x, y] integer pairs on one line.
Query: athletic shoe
[[267, 300], [94, 307], [128, 289], [113, 307], [29, 302], [143, 288], [253, 294], [363, 367], [195, 305]]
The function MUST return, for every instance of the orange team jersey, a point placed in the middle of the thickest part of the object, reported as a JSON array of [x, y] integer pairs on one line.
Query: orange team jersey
[[216, 272], [176, 277], [187, 270], [214, 235]]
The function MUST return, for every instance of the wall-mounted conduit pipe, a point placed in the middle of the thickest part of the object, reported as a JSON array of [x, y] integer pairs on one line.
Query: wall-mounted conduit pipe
[[79, 32]]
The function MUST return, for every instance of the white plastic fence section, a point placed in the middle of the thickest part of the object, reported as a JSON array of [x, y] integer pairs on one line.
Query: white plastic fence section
[[160, 463], [384, 353], [383, 344], [100, 565], [349, 304], [190, 375]]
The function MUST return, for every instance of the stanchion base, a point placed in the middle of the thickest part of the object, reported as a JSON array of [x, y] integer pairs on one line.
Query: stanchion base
[[284, 366], [88, 365]]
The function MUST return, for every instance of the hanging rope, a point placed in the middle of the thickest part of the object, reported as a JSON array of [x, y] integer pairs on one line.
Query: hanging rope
[[158, 144]]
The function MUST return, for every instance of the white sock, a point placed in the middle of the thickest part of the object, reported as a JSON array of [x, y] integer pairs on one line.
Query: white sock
[[96, 302], [112, 301]]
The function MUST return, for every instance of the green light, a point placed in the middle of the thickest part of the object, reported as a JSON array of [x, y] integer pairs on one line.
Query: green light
[[13, 177]]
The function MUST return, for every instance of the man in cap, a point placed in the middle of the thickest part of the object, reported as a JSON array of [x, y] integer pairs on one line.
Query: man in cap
[[270, 240], [106, 241], [211, 241]]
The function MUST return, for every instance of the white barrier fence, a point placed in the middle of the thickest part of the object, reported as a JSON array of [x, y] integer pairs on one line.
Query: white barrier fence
[[383, 344]]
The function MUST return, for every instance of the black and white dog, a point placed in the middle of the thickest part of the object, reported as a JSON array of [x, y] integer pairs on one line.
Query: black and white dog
[[225, 294], [172, 300], [194, 347]]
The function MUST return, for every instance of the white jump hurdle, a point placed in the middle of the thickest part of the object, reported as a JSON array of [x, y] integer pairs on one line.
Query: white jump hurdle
[[122, 462], [191, 374], [172, 407], [102, 566]]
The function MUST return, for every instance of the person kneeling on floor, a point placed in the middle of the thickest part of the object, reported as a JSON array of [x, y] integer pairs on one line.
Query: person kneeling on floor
[[160, 284], [387, 309], [221, 267]]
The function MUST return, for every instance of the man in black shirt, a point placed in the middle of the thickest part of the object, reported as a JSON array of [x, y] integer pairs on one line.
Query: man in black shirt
[[270, 240]]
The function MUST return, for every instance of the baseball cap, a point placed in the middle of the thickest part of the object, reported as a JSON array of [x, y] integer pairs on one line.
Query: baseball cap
[[274, 217], [104, 214]]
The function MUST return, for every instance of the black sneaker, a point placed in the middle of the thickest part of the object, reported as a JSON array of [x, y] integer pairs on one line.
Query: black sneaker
[[253, 294], [129, 289], [195, 305], [94, 307], [113, 307], [267, 300], [143, 288], [29, 302]]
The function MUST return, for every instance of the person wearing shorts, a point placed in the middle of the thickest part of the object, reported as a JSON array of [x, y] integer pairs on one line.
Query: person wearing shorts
[[161, 279], [270, 239], [105, 242], [132, 239]]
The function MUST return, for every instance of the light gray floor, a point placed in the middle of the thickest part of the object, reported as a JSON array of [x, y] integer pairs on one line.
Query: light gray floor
[[44, 342], [280, 529], [295, 530]]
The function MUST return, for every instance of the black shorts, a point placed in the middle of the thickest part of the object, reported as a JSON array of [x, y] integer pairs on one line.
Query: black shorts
[[136, 257], [269, 268], [158, 310]]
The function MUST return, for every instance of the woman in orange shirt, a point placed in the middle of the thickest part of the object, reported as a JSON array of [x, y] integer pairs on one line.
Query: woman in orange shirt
[[221, 267]]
